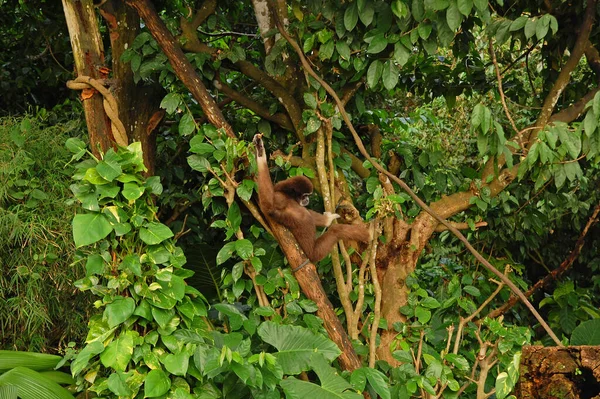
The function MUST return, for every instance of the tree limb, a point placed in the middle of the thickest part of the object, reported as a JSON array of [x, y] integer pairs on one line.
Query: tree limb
[[279, 118], [565, 73], [556, 273], [184, 70]]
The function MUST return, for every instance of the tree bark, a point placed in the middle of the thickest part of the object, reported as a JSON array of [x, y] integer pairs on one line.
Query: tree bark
[[184, 70], [138, 104], [88, 53]]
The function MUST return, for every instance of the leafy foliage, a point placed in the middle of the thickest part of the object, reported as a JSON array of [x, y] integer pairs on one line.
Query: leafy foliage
[[29, 375], [36, 248]]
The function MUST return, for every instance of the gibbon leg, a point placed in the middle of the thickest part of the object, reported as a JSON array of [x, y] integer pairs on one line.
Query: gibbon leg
[[325, 243]]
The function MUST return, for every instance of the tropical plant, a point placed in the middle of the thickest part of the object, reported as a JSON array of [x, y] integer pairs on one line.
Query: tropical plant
[[30, 375]]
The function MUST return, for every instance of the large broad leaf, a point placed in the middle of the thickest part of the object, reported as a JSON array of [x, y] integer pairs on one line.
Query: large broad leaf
[[587, 333], [89, 228], [156, 384], [155, 233], [32, 385], [332, 385], [118, 353], [83, 358], [34, 361], [119, 310], [296, 345]]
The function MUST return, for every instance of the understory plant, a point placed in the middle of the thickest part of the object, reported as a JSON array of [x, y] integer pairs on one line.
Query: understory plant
[[151, 336], [36, 247]]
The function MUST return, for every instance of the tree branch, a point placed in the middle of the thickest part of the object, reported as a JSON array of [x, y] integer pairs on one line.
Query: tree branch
[[184, 70], [279, 118], [565, 73], [556, 273]]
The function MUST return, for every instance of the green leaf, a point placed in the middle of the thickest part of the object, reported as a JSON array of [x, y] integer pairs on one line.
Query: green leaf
[[244, 248], [187, 125], [36, 361], [469, 289], [587, 333], [502, 388], [590, 123], [332, 385], [351, 17], [33, 385], [465, 7], [117, 384], [310, 100], [119, 310], [453, 16], [399, 8], [424, 315], [481, 5], [94, 265], [198, 163], [571, 141], [343, 50], [171, 102], [313, 125], [390, 75], [401, 54], [83, 357], [76, 146], [155, 233], [131, 191], [118, 353], [541, 27], [378, 44], [374, 73], [519, 23], [295, 345], [530, 27], [225, 252], [156, 383], [379, 382], [439, 5], [176, 364], [89, 228], [202, 148], [418, 10], [366, 14], [424, 30], [109, 168]]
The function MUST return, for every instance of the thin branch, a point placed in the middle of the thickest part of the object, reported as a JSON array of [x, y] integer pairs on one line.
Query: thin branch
[[375, 232], [500, 89], [279, 118], [566, 264]]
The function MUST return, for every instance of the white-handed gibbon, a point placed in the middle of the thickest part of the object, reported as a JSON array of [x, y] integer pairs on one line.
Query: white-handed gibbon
[[285, 202]]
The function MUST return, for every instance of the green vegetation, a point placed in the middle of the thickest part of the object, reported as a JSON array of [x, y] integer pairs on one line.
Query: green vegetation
[[157, 263], [39, 308], [28, 375]]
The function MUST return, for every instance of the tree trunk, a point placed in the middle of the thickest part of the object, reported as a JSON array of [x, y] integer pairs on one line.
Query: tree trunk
[[88, 53], [138, 104], [553, 372]]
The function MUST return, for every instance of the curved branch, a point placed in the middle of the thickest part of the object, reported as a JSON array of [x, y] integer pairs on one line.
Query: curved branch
[[184, 70], [565, 73], [279, 118]]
